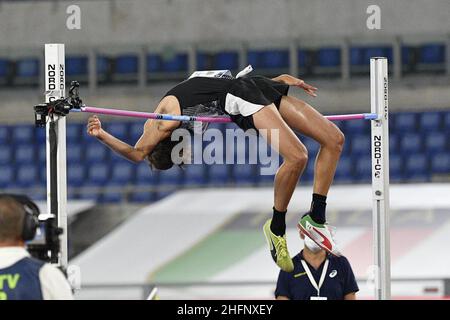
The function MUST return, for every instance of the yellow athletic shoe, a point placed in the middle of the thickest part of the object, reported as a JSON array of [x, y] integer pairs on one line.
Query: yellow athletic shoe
[[278, 248]]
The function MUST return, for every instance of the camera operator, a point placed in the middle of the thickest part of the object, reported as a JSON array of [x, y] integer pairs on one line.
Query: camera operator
[[21, 276]]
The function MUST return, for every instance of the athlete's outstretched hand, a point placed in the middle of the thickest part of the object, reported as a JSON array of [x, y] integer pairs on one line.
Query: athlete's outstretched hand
[[94, 126], [293, 81]]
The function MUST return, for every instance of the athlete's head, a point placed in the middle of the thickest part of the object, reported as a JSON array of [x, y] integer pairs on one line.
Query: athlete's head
[[161, 156]]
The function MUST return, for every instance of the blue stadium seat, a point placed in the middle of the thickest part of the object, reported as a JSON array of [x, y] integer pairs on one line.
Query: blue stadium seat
[[311, 145], [24, 154], [406, 122], [42, 154], [407, 55], [103, 65], [146, 176], [126, 64], [26, 176], [40, 136], [118, 129], [74, 132], [95, 152], [23, 134], [416, 164], [360, 56], [245, 174], [440, 163], [363, 168], [162, 194], [268, 59], [393, 142], [430, 121], [4, 134], [6, 176], [329, 57], [195, 174], [344, 171], [122, 173], [396, 165], [76, 175], [4, 68], [135, 130], [89, 194], [218, 174], [411, 143], [76, 65], [6, 155], [436, 142], [432, 53], [111, 196], [357, 127], [27, 68], [143, 196], [360, 144], [172, 63], [98, 174], [74, 153], [173, 176], [227, 60], [302, 57]]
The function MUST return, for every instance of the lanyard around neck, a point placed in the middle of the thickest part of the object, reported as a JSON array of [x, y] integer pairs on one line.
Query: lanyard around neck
[[311, 278]]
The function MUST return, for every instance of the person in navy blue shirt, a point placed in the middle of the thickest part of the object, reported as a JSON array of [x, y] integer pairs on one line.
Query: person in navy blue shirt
[[317, 275]]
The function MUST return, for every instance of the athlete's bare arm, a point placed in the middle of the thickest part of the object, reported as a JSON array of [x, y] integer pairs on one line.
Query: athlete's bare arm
[[293, 81], [154, 132]]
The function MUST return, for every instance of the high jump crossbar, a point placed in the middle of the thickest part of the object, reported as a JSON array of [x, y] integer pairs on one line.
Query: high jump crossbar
[[379, 116]]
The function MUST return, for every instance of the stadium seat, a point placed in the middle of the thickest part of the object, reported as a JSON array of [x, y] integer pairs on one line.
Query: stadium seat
[[363, 169], [126, 64], [145, 176], [142, 196], [23, 134], [218, 174], [98, 174], [26, 176], [74, 153], [27, 68], [75, 175], [411, 143], [74, 132], [440, 163], [6, 155], [118, 129], [311, 145], [195, 174], [303, 58], [433, 53], [95, 152], [430, 121], [173, 176], [172, 63], [329, 57], [395, 165], [4, 134], [268, 59], [416, 164], [111, 196], [76, 65], [360, 145], [135, 130], [122, 173], [344, 171], [245, 174], [406, 122], [360, 56], [24, 154], [357, 127], [227, 60], [393, 143], [103, 67], [6, 176], [4, 68], [436, 142]]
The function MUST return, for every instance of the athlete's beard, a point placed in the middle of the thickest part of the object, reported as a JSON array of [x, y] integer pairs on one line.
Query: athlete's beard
[[311, 245]]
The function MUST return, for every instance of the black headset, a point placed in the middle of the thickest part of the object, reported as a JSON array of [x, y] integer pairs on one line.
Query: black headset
[[30, 220]]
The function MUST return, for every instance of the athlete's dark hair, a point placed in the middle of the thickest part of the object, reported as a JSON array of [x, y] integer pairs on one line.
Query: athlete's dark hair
[[161, 156]]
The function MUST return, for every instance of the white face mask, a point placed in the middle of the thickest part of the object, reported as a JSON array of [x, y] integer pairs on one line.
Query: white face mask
[[311, 245]]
